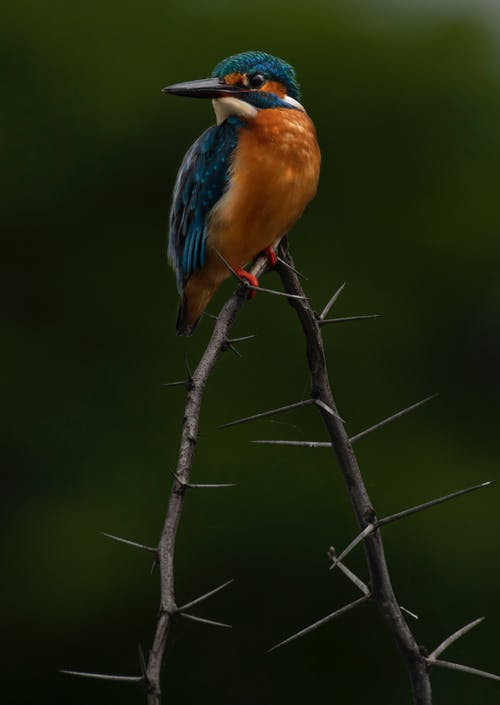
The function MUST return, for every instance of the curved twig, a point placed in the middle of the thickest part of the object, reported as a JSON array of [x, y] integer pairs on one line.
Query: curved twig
[[380, 582], [195, 386]]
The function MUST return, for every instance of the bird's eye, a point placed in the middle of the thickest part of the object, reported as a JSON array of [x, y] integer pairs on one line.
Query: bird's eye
[[257, 80]]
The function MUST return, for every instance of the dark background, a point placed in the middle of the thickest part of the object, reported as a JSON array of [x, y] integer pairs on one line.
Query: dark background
[[406, 102]]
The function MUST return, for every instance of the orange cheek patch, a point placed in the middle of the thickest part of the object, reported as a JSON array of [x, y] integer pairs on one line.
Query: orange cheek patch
[[233, 78], [274, 87]]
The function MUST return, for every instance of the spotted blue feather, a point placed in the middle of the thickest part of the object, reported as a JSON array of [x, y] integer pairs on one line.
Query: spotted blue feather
[[201, 181]]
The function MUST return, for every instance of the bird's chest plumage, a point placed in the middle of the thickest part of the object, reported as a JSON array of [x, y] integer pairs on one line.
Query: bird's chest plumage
[[274, 174]]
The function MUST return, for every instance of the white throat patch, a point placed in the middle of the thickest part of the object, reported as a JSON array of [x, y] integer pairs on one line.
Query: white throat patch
[[291, 101], [224, 107]]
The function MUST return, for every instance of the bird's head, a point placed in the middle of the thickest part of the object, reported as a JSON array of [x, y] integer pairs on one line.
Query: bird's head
[[245, 83]]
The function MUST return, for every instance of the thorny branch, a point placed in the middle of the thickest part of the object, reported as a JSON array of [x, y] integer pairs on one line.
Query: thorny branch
[[195, 387], [379, 590], [195, 383], [380, 582]]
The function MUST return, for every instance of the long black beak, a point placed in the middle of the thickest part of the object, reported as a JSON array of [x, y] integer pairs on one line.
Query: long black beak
[[204, 88]]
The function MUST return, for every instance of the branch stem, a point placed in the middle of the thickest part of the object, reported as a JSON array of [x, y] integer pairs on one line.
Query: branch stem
[[380, 581], [189, 435]]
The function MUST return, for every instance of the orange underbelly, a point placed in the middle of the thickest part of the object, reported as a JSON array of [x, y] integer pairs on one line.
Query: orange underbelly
[[275, 174]]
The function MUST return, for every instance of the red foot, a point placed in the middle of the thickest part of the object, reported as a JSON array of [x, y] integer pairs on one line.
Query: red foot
[[271, 256], [250, 278]]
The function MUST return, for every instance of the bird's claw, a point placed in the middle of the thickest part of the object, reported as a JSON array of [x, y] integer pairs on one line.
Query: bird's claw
[[271, 256], [245, 276]]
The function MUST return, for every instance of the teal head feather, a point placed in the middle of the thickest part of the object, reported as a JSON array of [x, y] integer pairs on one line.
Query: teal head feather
[[258, 62]]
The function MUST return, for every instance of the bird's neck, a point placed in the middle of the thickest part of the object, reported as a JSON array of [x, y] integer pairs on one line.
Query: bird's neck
[[227, 107]]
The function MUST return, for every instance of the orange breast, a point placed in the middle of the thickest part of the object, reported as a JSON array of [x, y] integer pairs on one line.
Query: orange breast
[[274, 175]]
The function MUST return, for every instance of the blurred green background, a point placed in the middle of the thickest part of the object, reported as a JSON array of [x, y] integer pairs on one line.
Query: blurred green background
[[406, 100]]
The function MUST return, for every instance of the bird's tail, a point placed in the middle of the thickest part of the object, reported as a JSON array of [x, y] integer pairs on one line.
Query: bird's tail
[[183, 325], [194, 300]]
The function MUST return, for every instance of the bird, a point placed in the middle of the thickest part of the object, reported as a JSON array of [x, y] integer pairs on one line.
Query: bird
[[244, 182]]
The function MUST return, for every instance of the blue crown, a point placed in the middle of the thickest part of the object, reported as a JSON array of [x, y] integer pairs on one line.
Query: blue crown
[[250, 62]]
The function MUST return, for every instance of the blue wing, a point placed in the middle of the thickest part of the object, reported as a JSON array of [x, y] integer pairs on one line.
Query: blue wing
[[201, 181]]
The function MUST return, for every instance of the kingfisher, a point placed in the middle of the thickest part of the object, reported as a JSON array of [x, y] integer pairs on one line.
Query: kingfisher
[[244, 183]]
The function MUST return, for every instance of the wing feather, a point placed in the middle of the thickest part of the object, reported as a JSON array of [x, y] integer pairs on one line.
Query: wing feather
[[202, 179]]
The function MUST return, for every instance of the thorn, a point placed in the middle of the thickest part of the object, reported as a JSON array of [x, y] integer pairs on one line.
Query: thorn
[[334, 298], [228, 266], [299, 444], [180, 383], [181, 482], [366, 532], [395, 416], [295, 271], [104, 676], [209, 486], [273, 412], [328, 410], [247, 285], [349, 319], [354, 578], [205, 596], [231, 269], [202, 486], [276, 293], [234, 350], [188, 368], [348, 573], [231, 347], [412, 614], [401, 515], [358, 436], [320, 622], [242, 339], [142, 662], [427, 505], [130, 543], [202, 620], [465, 669], [451, 639]]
